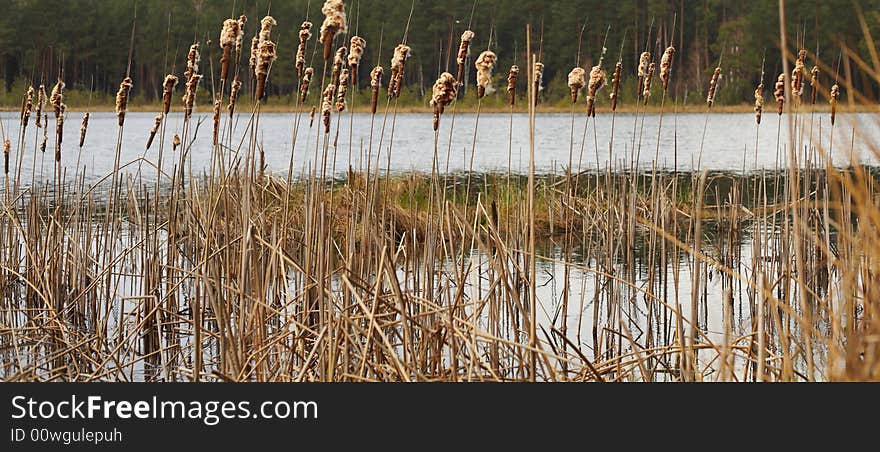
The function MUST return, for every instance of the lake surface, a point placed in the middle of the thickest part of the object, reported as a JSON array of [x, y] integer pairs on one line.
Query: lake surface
[[729, 141]]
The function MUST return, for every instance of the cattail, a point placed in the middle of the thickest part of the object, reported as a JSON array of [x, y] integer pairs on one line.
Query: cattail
[[240, 36], [644, 61], [45, 138], [255, 51], [334, 23], [355, 53], [216, 119], [233, 96], [779, 93], [175, 142], [814, 84], [512, 77], [83, 128], [835, 96], [444, 91], [229, 35], [713, 86], [305, 33], [57, 98], [615, 85], [167, 90], [264, 63], [41, 102], [338, 63], [7, 147], [157, 122], [375, 85], [28, 106], [342, 90], [576, 82], [649, 77], [539, 79], [122, 99], [193, 59], [327, 106], [189, 96], [312, 116], [59, 132], [485, 64], [266, 28], [463, 52], [666, 66], [598, 80], [304, 85], [759, 102], [398, 65], [798, 74]]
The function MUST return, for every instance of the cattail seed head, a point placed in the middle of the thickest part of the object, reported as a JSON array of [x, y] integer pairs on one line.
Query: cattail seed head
[[342, 90], [304, 85], [598, 80], [312, 116], [265, 57], [233, 95], [327, 106], [538, 77], [649, 77], [193, 59], [45, 138], [240, 36], [59, 131], [644, 61], [463, 52], [485, 64], [759, 102], [266, 28], [375, 86], [157, 122], [175, 142], [255, 51], [512, 77], [229, 35], [713, 86], [338, 63], [833, 99], [444, 92], [56, 99], [355, 53], [28, 106], [305, 33], [779, 93], [216, 121], [189, 96], [798, 74], [167, 89], [615, 85], [666, 66], [577, 80], [7, 147], [41, 102], [83, 128], [398, 66], [122, 99], [814, 84], [334, 23]]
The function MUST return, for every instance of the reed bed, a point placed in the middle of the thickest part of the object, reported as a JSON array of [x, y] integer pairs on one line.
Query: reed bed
[[243, 275]]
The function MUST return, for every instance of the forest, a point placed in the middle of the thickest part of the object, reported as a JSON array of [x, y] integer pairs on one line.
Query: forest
[[91, 40]]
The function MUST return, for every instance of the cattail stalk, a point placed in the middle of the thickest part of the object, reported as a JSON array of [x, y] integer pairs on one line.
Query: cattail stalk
[[216, 120], [576, 82], [798, 74], [192, 80], [122, 100], [265, 55], [375, 85], [327, 106], [175, 142], [485, 64], [59, 108], [444, 92], [305, 33], [334, 23], [713, 86], [463, 52], [512, 77]]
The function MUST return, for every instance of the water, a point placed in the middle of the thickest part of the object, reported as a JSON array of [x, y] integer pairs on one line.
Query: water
[[729, 142]]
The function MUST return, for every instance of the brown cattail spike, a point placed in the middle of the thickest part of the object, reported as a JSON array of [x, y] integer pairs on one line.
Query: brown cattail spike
[[264, 63], [512, 77], [713, 86], [7, 146], [338, 63], [327, 106], [577, 80], [485, 64], [334, 23], [255, 50], [167, 89], [240, 36], [229, 35], [28, 106], [835, 96], [57, 102], [216, 121], [157, 122], [375, 86], [814, 84], [41, 103], [798, 74], [398, 66], [598, 80], [342, 90], [649, 77], [355, 53], [615, 85], [779, 93], [233, 95], [759, 102], [304, 85], [538, 77], [644, 61], [175, 142], [122, 99], [666, 67], [444, 92], [192, 80], [83, 128], [305, 33], [463, 52]]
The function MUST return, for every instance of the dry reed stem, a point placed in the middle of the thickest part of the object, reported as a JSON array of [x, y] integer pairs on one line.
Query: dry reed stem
[[577, 80], [334, 23], [443, 93], [484, 64]]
